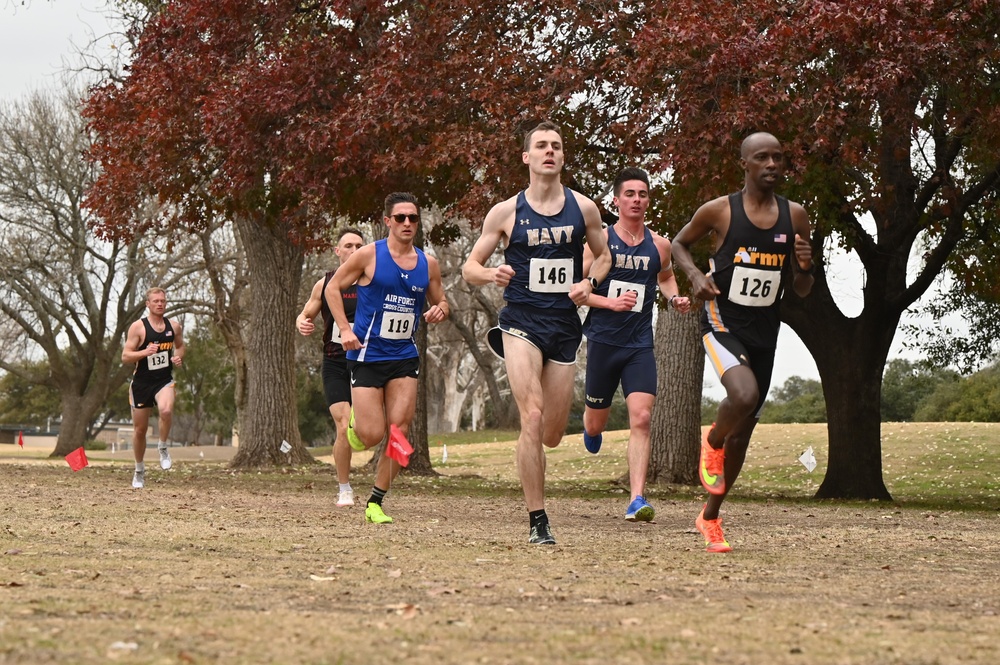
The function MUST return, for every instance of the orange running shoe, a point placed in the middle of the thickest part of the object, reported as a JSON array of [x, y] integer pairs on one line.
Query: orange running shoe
[[712, 466], [715, 542]]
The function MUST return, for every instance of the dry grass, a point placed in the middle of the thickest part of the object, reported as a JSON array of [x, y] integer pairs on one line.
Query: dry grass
[[207, 566]]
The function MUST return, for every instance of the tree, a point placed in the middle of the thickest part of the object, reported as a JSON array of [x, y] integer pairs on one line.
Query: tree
[[676, 418], [798, 400], [278, 117], [67, 295], [906, 385], [28, 402], [888, 110], [975, 398], [206, 386]]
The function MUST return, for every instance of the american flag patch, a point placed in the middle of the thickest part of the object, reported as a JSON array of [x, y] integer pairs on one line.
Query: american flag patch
[[780, 237]]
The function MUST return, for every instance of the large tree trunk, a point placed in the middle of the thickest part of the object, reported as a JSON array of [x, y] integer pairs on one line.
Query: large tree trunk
[[676, 419], [270, 417], [420, 460], [74, 424], [850, 354]]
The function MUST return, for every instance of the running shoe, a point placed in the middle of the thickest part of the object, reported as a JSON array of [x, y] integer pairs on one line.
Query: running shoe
[[715, 542], [639, 511], [345, 498], [712, 466], [139, 479], [352, 437], [541, 534], [374, 514], [165, 462], [593, 443]]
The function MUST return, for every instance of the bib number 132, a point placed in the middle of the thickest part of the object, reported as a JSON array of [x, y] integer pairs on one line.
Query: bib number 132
[[158, 360]]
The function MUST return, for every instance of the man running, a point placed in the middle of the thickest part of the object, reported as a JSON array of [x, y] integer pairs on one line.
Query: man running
[[760, 238]]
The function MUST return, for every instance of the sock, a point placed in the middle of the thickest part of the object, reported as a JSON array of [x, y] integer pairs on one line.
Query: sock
[[346, 487], [140, 466], [377, 495], [537, 517], [162, 445]]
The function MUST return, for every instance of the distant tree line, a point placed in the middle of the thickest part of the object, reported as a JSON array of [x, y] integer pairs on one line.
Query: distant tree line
[[911, 392]]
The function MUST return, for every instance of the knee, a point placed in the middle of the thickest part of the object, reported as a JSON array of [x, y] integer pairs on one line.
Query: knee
[[743, 399], [531, 418], [640, 421]]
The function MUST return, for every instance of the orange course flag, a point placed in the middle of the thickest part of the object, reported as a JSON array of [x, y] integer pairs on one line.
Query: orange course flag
[[398, 447], [20, 438], [77, 459]]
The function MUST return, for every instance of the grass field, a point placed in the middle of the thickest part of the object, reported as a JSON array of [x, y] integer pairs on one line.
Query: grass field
[[210, 566]]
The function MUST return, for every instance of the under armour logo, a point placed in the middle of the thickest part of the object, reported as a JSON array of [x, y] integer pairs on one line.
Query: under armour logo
[[404, 275], [522, 222], [614, 247]]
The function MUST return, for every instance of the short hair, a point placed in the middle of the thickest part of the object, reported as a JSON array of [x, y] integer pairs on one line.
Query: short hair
[[544, 126], [399, 197], [629, 173], [154, 289], [749, 143], [350, 229]]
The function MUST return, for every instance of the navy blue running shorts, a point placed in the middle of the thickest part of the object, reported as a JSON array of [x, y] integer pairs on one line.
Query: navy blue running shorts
[[608, 366], [557, 333]]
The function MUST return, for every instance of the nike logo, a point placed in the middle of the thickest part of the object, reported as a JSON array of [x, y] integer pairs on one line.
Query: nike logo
[[709, 478], [353, 380]]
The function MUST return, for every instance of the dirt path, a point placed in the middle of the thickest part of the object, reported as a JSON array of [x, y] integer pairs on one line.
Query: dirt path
[[207, 566]]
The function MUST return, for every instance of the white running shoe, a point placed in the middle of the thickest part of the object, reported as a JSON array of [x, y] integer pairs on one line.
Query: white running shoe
[[139, 479], [165, 462], [346, 498]]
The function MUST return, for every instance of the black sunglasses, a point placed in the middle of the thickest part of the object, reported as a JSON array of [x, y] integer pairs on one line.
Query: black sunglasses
[[400, 218]]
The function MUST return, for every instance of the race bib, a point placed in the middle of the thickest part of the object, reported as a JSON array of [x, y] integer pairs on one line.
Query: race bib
[[396, 325], [617, 287], [335, 333], [158, 360], [550, 275], [754, 287]]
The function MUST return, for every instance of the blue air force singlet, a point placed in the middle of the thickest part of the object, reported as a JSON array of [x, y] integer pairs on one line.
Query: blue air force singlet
[[389, 308], [632, 269], [331, 333], [748, 270], [546, 253]]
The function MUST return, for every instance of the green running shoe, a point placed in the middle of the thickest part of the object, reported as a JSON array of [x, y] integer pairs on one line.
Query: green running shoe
[[374, 514]]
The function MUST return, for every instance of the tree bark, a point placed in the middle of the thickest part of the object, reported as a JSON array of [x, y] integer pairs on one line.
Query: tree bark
[[850, 355], [420, 459], [676, 419], [270, 416]]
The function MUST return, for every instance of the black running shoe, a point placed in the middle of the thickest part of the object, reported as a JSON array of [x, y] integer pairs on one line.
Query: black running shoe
[[541, 534]]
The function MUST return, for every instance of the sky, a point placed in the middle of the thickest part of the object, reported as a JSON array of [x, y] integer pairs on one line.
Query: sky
[[40, 39]]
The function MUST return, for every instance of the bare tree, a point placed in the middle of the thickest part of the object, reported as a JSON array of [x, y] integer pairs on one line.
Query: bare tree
[[465, 367], [65, 294]]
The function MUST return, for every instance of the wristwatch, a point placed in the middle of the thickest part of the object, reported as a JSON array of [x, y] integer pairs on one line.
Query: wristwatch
[[593, 283]]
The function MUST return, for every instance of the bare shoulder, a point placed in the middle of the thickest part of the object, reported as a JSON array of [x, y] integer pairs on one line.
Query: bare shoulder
[[717, 205], [585, 202], [658, 240], [504, 208], [797, 210]]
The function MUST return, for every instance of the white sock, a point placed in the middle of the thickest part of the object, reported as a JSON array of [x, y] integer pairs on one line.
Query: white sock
[[140, 466], [162, 445], [345, 487]]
